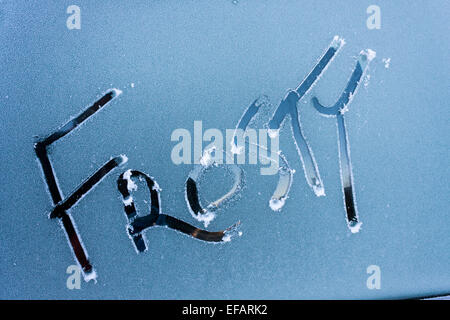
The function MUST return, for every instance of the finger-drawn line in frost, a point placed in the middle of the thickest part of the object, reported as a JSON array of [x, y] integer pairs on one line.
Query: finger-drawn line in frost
[[137, 224]]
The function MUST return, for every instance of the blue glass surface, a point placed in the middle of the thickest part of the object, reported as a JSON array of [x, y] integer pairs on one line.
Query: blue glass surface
[[181, 61]]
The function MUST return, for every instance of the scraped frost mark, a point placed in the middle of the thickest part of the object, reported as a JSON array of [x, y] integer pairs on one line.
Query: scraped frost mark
[[285, 179], [198, 212], [285, 172], [71, 232], [54, 190], [237, 185], [245, 119], [128, 201], [288, 107], [338, 110], [83, 116], [87, 186], [138, 224], [281, 192], [131, 186]]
